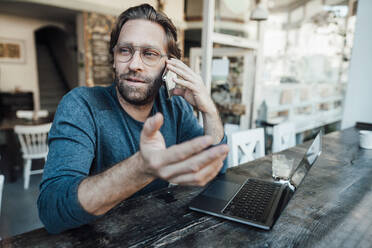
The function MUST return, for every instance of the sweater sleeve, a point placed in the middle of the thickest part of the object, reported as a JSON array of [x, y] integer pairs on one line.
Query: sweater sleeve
[[71, 152]]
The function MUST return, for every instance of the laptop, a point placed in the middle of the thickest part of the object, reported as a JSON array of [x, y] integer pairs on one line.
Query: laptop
[[252, 201]]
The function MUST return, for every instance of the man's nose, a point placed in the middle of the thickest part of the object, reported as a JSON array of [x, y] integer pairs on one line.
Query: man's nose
[[136, 63]]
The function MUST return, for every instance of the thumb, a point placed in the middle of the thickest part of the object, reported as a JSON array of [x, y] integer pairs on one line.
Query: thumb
[[152, 125]]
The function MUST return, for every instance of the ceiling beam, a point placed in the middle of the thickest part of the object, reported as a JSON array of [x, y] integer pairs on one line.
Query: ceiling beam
[[288, 7]]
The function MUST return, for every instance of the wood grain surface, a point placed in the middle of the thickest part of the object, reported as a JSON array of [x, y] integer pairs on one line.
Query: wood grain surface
[[331, 208]]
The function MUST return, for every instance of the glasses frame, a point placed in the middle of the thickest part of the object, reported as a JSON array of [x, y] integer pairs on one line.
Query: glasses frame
[[140, 49]]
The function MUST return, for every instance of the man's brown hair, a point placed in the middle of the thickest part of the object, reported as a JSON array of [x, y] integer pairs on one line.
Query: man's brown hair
[[147, 12]]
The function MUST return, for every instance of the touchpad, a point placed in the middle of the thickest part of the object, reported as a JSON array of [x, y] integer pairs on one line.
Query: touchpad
[[222, 190]]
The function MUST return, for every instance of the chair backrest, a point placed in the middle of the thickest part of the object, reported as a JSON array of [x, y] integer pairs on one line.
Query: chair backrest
[[247, 145], [33, 138], [28, 114], [284, 136], [230, 129], [1, 189]]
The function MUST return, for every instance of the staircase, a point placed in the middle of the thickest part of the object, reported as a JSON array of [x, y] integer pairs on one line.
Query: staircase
[[51, 86]]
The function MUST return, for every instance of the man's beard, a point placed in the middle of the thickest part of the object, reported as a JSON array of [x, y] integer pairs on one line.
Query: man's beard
[[138, 96]]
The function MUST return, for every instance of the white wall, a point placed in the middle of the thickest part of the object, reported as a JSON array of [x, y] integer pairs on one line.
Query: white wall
[[174, 10], [22, 76], [358, 101]]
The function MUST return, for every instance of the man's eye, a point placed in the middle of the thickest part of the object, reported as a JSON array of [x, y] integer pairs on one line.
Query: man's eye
[[150, 53], [125, 50]]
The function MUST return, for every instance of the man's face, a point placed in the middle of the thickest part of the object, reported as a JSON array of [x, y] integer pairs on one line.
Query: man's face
[[137, 82]]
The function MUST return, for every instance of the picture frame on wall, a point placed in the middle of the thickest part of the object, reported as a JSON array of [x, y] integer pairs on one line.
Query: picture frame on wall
[[12, 50]]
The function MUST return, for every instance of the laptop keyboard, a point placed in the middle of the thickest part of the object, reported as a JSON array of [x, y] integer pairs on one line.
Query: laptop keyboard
[[253, 201]]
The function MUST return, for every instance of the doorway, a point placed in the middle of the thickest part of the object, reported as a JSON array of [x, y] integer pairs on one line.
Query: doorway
[[57, 65]]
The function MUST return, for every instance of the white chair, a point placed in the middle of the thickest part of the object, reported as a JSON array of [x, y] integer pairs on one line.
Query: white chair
[[247, 145], [230, 129], [1, 190], [28, 114], [33, 140], [284, 136]]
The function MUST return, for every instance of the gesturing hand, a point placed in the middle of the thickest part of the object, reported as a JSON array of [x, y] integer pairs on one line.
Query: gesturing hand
[[187, 163]]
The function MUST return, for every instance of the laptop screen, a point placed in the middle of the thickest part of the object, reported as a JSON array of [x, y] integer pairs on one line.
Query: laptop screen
[[307, 161]]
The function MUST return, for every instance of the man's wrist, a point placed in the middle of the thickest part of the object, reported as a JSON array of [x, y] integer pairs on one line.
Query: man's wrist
[[211, 111], [211, 115], [141, 167], [213, 125]]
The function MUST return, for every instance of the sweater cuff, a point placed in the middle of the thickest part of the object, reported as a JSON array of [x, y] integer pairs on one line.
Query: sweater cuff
[[225, 165], [224, 139]]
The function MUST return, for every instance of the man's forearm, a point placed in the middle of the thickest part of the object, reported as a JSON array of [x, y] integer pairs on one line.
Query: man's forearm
[[98, 194], [213, 125]]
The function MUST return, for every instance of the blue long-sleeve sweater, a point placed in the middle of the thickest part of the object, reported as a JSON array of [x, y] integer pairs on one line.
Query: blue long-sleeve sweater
[[90, 133]]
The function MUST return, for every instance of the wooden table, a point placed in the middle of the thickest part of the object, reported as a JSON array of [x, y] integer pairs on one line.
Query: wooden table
[[332, 208]]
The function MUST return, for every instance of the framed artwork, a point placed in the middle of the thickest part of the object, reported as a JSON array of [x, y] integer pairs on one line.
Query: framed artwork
[[12, 50]]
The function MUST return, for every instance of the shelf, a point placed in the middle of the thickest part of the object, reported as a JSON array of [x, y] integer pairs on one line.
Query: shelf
[[234, 41], [285, 107]]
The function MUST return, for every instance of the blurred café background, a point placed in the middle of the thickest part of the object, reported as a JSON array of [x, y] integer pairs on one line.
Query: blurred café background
[[265, 62]]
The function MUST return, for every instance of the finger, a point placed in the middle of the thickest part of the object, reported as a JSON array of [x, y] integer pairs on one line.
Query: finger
[[152, 125], [182, 151], [195, 163], [185, 84], [186, 75], [178, 63], [202, 177]]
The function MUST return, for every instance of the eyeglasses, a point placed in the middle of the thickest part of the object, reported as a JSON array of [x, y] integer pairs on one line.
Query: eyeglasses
[[149, 55]]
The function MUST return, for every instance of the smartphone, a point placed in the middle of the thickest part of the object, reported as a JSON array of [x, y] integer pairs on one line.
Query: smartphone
[[169, 84]]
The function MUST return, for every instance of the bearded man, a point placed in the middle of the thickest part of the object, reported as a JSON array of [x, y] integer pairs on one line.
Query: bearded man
[[108, 144]]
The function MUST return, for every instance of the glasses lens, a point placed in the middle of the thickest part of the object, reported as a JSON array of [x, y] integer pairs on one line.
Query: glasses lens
[[124, 53], [150, 56]]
